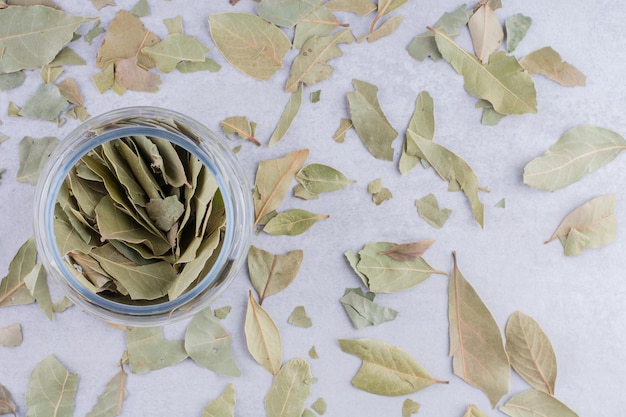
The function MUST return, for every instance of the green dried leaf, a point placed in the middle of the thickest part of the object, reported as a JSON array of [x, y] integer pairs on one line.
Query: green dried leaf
[[222, 312], [409, 407], [208, 344], [63, 304], [359, 7], [285, 13], [222, 406], [424, 45], [386, 370], [388, 27], [99, 4], [241, 126], [516, 28], [318, 178], [46, 104], [7, 405], [148, 350], [530, 352], [340, 133], [143, 282], [591, 225], [428, 209], [273, 178], [363, 311], [52, 390], [580, 151], [50, 74], [385, 274], [207, 65], [165, 212], [301, 192], [110, 401], [262, 337], [536, 403], [378, 192], [37, 284], [299, 318], [290, 389], [129, 75], [269, 273], [486, 32], [474, 411], [11, 80], [319, 406], [501, 203], [174, 49], [13, 290], [104, 79], [503, 82], [94, 32], [314, 97], [34, 152], [450, 167], [320, 22], [369, 120], [408, 251], [310, 67], [31, 37], [287, 117], [174, 25], [548, 62], [141, 9], [249, 43], [67, 56], [422, 124], [69, 90], [476, 346], [292, 222], [313, 353], [490, 117], [10, 336], [308, 413]]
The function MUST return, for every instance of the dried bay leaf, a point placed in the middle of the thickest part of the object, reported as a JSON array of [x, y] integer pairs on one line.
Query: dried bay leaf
[[141, 9], [13, 290], [34, 152], [273, 178], [99, 4], [319, 22], [422, 124], [104, 79], [222, 312], [548, 62], [310, 67], [385, 274], [591, 225], [319, 406], [165, 212], [222, 406], [249, 43], [12, 80], [241, 126], [424, 45], [129, 75], [476, 346], [7, 405], [386, 370], [530, 352], [450, 167], [363, 311], [208, 344], [516, 28], [32, 36], [10, 336], [536, 403], [474, 411], [353, 259], [269, 273], [409, 407], [388, 27], [262, 337], [67, 56], [314, 97], [359, 7], [125, 38], [301, 192], [207, 65], [63, 304], [287, 117], [46, 104], [52, 390], [408, 251], [428, 209], [289, 390], [299, 318], [175, 49], [384, 8], [285, 13], [50, 74], [110, 402], [318, 178], [503, 82], [292, 222], [486, 32], [37, 284], [340, 133], [69, 90], [313, 353], [174, 25], [369, 120], [148, 350]]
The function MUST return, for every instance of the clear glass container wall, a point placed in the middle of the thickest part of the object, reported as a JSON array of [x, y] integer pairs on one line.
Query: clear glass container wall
[[193, 137]]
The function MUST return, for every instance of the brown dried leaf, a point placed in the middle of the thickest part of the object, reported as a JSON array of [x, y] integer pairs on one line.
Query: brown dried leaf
[[408, 251]]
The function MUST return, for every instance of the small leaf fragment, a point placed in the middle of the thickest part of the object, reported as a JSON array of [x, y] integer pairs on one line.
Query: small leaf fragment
[[501, 203], [110, 402], [386, 370], [37, 284], [289, 390], [10, 336], [516, 28], [7, 405], [378, 192], [410, 407], [141, 9], [262, 337], [241, 126], [222, 312], [174, 49], [319, 406], [51, 389], [530, 352], [313, 353], [474, 411], [149, 351], [536, 403], [34, 152], [359, 7], [548, 62], [388, 27], [340, 133], [287, 117], [46, 104], [271, 273], [363, 311], [13, 290], [298, 317], [428, 209], [222, 406], [591, 225], [292, 222]]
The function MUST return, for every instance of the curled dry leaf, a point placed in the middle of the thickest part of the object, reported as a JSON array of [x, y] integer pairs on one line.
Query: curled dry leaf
[[591, 225], [530, 352], [262, 337], [408, 251], [476, 347], [386, 370]]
